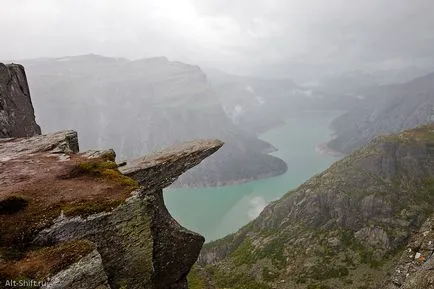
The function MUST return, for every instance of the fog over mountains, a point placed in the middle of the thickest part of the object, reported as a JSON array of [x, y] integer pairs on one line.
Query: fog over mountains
[[302, 40], [140, 106], [247, 84], [383, 110]]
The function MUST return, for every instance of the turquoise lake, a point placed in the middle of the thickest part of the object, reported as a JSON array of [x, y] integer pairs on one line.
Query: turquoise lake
[[217, 212]]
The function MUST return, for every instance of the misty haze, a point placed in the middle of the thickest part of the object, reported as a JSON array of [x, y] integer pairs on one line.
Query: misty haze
[[212, 144]]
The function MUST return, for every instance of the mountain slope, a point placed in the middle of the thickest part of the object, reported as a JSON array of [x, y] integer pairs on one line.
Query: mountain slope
[[349, 227], [143, 105], [386, 109]]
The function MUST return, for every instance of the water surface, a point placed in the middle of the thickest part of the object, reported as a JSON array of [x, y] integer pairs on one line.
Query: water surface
[[216, 212]]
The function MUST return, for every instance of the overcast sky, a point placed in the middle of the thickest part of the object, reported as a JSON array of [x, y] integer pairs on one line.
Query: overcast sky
[[223, 33]]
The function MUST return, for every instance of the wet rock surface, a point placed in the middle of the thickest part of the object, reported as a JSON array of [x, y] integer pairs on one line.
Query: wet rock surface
[[69, 196], [17, 118], [173, 161], [88, 272]]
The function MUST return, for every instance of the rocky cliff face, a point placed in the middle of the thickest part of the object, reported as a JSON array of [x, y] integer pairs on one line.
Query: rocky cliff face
[[17, 118], [415, 265], [385, 110], [75, 220], [139, 106], [366, 222]]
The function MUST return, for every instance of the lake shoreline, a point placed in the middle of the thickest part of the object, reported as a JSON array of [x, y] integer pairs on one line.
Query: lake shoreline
[[324, 149], [228, 183], [222, 210]]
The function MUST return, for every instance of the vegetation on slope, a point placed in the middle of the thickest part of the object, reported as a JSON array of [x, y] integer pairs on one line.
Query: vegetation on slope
[[344, 228]]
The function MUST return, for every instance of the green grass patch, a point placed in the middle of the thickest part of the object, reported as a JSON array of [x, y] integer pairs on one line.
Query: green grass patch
[[235, 280], [327, 271], [195, 279]]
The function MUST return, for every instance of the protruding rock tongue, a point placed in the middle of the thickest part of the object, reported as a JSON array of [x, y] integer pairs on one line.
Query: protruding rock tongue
[[160, 169]]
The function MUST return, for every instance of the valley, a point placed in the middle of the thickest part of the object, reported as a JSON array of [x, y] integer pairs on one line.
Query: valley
[[223, 210]]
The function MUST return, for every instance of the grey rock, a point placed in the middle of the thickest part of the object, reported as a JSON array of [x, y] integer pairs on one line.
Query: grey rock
[[139, 245], [414, 270], [17, 117], [375, 237], [87, 273], [94, 154], [57, 143], [123, 238], [173, 161]]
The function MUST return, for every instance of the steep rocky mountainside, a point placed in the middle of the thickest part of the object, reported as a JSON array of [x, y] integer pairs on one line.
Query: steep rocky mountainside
[[79, 220], [139, 106], [384, 110], [366, 222], [17, 118]]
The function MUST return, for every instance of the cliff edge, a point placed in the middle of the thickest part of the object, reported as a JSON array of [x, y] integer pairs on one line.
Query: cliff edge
[[78, 220], [17, 117]]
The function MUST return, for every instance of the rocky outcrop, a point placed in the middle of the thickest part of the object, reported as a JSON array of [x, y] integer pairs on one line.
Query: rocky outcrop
[[137, 107], [17, 118], [171, 162], [344, 228], [385, 110], [415, 268], [93, 226], [88, 272]]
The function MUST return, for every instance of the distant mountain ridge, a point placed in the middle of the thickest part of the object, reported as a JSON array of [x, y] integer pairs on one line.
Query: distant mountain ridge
[[385, 109], [254, 103], [260, 103], [143, 105]]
